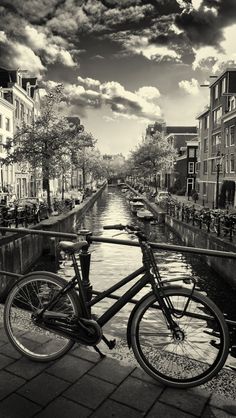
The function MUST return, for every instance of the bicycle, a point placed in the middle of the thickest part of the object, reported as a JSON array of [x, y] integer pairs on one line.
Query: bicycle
[[178, 336]]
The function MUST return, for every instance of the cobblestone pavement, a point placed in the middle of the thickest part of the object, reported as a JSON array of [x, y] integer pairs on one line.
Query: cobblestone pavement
[[81, 385]]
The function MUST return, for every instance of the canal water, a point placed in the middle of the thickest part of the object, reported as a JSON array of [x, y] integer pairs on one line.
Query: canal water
[[109, 263]]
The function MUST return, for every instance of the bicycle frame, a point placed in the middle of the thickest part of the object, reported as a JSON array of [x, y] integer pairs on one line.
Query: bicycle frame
[[147, 278]]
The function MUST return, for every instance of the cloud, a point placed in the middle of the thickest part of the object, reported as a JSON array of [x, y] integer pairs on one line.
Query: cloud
[[15, 54], [91, 93], [218, 60], [204, 22], [141, 45], [53, 48], [191, 87], [89, 82]]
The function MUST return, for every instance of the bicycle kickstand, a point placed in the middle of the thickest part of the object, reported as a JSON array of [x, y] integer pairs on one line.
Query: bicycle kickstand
[[99, 351]]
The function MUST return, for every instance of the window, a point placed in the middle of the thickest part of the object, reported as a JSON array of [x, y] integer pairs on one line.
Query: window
[[191, 152], [22, 112], [197, 166], [0, 121], [226, 164], [204, 188], [216, 91], [205, 167], [1, 143], [213, 166], [205, 144], [206, 122], [17, 109], [217, 114], [215, 142], [227, 137], [191, 167], [231, 103], [231, 135], [232, 168], [223, 85], [7, 121]]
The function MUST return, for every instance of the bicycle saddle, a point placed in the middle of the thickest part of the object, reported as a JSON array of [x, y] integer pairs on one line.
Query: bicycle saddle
[[72, 247]]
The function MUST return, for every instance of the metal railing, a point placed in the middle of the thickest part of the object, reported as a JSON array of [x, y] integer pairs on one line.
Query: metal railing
[[211, 220], [85, 258]]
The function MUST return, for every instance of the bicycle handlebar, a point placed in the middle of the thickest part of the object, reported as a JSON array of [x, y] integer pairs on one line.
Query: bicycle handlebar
[[116, 226], [121, 227]]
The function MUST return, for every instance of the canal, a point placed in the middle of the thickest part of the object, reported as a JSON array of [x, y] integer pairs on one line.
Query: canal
[[112, 262]]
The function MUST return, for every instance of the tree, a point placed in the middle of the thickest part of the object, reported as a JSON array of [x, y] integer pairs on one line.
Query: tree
[[49, 142], [152, 156], [89, 160]]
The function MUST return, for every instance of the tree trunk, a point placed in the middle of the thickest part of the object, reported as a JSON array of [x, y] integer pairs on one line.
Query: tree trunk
[[46, 184], [63, 187], [84, 176], [155, 182]]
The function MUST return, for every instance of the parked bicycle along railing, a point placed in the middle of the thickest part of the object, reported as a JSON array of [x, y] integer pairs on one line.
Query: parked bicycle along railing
[[215, 221], [178, 336]]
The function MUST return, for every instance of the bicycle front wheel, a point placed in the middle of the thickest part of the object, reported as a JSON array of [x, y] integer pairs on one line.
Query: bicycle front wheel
[[30, 294], [198, 353]]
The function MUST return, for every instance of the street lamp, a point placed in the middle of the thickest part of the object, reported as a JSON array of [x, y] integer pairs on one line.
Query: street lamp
[[219, 160]]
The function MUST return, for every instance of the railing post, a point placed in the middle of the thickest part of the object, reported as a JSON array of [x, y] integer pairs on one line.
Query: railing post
[[218, 226], [85, 258], [16, 216], [231, 230]]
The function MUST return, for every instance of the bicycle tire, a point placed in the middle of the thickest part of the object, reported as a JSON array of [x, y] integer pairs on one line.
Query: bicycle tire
[[29, 294], [180, 364]]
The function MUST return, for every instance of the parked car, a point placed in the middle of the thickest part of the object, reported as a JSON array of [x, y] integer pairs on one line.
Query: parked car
[[36, 206], [69, 202], [161, 195]]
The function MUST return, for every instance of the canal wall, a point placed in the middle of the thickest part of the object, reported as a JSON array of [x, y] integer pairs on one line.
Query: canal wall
[[195, 237], [19, 252]]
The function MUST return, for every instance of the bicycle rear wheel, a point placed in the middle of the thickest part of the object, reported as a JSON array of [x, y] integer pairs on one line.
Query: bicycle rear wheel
[[30, 294], [193, 359]]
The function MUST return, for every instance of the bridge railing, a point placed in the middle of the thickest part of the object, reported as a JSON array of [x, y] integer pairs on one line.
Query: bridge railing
[[91, 238]]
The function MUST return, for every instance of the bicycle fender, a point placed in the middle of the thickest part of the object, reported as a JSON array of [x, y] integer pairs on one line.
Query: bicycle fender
[[128, 333], [40, 273]]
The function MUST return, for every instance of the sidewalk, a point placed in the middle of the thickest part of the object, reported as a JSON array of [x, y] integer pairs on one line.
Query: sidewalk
[[81, 385]]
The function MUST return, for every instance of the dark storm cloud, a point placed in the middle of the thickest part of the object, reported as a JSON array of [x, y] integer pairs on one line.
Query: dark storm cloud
[[33, 11], [57, 31], [204, 26]]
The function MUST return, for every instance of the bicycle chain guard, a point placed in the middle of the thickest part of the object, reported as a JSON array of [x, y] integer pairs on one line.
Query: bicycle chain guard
[[85, 331]]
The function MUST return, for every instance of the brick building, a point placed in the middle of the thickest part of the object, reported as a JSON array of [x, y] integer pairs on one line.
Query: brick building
[[217, 141]]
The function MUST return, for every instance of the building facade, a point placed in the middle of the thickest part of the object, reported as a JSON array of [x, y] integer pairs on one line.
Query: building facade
[[217, 152], [23, 94], [175, 175], [6, 133]]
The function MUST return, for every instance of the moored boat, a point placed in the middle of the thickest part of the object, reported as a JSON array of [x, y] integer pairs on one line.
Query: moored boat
[[135, 206], [145, 214]]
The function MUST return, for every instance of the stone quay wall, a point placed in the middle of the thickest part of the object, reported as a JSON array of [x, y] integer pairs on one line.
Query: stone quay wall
[[195, 237], [19, 252]]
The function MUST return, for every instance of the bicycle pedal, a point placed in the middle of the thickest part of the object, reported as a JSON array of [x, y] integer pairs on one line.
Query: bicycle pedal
[[110, 343]]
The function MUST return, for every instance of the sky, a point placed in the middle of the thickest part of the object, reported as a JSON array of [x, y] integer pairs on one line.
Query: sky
[[124, 63]]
